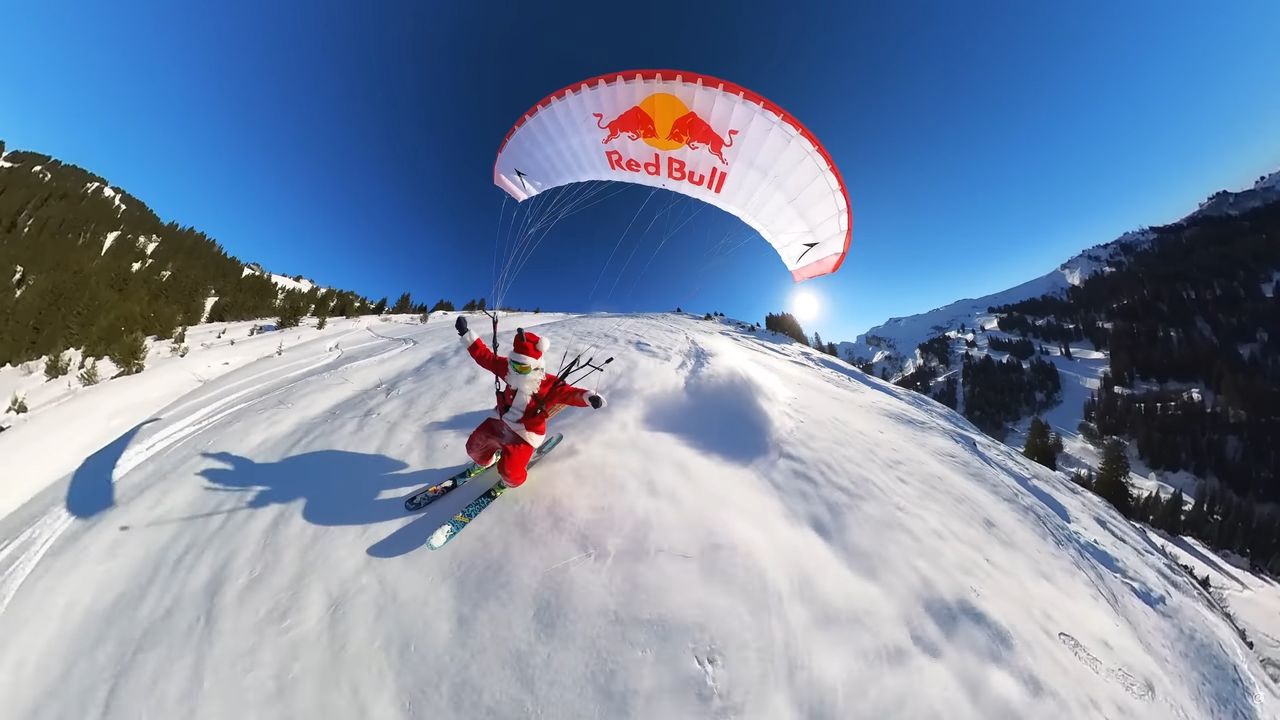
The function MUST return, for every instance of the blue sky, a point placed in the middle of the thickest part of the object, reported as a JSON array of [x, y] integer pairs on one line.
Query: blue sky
[[354, 142]]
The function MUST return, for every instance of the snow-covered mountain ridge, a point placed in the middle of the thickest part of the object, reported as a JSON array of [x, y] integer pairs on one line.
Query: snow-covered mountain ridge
[[749, 529], [892, 345]]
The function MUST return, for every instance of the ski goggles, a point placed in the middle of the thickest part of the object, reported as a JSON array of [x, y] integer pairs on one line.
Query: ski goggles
[[522, 368]]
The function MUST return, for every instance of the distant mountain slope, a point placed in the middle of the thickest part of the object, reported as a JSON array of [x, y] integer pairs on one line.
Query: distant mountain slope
[[1166, 339], [89, 264], [892, 345]]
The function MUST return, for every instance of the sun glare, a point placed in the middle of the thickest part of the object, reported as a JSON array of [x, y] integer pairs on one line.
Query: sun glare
[[805, 305]]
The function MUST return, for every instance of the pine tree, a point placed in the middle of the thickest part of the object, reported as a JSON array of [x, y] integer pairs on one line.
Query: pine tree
[[17, 404], [1195, 521], [1112, 481], [178, 346], [786, 324], [1039, 446], [290, 315], [1148, 508], [1273, 565], [322, 322], [1169, 514], [380, 307], [89, 375], [130, 353], [404, 304], [56, 365]]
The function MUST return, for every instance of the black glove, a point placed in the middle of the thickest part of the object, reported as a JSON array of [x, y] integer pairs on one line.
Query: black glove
[[596, 401], [461, 326]]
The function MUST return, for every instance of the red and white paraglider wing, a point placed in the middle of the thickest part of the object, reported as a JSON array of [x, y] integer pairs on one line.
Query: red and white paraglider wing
[[695, 135]]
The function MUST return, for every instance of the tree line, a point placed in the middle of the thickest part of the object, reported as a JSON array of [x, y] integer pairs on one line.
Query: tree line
[[92, 267], [1190, 321], [996, 393], [1218, 517]]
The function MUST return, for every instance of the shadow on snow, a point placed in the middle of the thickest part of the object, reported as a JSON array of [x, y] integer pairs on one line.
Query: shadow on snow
[[92, 489], [340, 488]]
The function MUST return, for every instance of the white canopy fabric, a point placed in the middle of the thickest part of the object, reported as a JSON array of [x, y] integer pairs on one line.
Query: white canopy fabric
[[695, 135]]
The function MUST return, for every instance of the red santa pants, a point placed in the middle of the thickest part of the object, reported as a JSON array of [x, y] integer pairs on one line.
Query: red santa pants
[[493, 435]]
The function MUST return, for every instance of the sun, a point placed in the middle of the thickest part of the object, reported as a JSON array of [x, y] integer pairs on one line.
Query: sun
[[805, 305]]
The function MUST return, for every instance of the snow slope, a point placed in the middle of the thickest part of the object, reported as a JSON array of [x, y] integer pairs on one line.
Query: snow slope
[[1252, 598], [38, 441], [749, 529]]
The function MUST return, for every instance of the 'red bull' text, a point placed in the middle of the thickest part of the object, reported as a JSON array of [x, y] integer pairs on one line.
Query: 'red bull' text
[[673, 169]]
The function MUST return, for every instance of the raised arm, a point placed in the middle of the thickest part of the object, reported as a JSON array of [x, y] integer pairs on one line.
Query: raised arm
[[484, 357]]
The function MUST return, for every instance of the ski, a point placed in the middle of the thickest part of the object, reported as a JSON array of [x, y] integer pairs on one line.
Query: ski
[[431, 493], [450, 530]]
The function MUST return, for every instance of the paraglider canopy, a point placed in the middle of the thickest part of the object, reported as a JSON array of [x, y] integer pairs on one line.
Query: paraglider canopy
[[695, 135]]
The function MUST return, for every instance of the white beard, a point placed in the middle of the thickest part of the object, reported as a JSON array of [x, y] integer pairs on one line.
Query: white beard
[[525, 384]]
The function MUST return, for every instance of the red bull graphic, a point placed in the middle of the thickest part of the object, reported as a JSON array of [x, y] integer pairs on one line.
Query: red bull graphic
[[692, 131], [664, 122], [634, 122]]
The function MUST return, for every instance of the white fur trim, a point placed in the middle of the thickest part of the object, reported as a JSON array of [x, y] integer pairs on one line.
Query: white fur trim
[[533, 438], [469, 338], [543, 344], [525, 359], [519, 404]]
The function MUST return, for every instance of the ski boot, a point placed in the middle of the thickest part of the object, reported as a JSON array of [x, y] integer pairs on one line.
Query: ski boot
[[476, 468]]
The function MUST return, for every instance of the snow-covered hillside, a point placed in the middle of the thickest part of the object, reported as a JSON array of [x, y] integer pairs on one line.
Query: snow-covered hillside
[[1265, 191], [890, 350], [284, 282], [98, 413], [892, 345], [1252, 599], [749, 529]]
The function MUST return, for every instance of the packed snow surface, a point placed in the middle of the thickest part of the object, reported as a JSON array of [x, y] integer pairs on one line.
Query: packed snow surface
[[1252, 598], [749, 529]]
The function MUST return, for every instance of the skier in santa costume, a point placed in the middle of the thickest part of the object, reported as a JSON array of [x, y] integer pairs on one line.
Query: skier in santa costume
[[524, 406]]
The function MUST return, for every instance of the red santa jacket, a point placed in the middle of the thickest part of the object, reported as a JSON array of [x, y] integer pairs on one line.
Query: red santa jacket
[[525, 415]]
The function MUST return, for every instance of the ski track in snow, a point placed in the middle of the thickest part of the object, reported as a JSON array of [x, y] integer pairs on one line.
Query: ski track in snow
[[748, 530], [41, 535]]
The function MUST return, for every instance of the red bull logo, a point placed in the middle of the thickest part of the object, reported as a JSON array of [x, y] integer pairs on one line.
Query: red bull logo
[[634, 122], [664, 122], [692, 131]]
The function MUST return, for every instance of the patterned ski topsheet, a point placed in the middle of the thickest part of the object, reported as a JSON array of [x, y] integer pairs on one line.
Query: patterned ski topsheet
[[449, 530], [431, 493]]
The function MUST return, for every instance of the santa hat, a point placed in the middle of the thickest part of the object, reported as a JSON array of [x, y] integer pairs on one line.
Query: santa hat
[[528, 348]]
